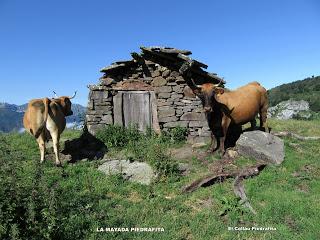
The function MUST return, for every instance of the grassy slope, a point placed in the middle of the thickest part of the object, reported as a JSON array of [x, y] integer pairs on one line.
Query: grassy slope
[[285, 197]]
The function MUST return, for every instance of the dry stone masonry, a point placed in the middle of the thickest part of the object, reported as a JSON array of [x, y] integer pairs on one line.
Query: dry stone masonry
[[167, 98]]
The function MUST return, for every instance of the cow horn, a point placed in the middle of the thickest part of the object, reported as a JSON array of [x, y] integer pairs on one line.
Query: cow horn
[[55, 95], [218, 84], [195, 85], [75, 93]]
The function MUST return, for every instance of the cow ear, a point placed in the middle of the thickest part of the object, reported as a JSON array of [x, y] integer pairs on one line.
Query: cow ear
[[196, 91], [219, 90]]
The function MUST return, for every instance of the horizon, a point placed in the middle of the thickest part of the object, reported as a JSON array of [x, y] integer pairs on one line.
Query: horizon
[[61, 46]]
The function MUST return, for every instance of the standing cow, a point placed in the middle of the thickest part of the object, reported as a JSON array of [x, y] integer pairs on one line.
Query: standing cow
[[237, 107], [46, 118]]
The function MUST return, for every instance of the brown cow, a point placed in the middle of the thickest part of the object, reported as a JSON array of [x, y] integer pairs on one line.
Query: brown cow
[[45, 119], [237, 107]]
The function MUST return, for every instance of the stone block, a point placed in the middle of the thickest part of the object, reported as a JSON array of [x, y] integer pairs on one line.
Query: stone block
[[192, 116], [166, 73], [187, 91], [158, 82], [176, 124], [166, 112], [107, 119], [177, 89], [164, 95], [174, 74], [155, 73], [168, 119], [163, 89]]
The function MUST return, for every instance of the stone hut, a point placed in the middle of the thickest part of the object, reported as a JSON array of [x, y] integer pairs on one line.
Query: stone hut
[[153, 89]]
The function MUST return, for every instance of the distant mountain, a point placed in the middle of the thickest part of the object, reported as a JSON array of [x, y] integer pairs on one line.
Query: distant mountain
[[307, 89], [11, 116]]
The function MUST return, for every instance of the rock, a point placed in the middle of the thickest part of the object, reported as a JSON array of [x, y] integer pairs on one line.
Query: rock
[[198, 145], [175, 96], [163, 89], [193, 116], [177, 89], [176, 124], [232, 153], [156, 73], [168, 119], [198, 123], [166, 73], [158, 82], [107, 119], [164, 95], [261, 146], [171, 79], [174, 74], [184, 168], [139, 172], [107, 81], [187, 91], [180, 79], [289, 109], [165, 112]]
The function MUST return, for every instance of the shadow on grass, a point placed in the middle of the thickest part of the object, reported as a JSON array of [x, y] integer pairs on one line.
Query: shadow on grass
[[86, 146]]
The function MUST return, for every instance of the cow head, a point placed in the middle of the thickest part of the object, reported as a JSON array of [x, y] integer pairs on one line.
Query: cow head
[[208, 93], [65, 103]]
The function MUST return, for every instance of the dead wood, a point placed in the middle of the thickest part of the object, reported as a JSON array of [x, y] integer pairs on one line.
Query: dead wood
[[294, 135], [213, 178], [238, 186], [238, 189]]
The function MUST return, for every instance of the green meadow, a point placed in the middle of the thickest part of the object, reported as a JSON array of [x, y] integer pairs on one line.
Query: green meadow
[[41, 201]]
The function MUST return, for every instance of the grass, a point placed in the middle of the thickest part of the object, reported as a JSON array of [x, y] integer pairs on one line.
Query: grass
[[45, 202]]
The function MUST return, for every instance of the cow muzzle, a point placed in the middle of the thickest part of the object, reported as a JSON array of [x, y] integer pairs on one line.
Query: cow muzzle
[[69, 113]]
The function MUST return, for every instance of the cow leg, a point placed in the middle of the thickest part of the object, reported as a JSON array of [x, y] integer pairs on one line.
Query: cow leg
[[225, 125], [212, 144], [55, 139], [253, 123], [263, 118], [42, 146]]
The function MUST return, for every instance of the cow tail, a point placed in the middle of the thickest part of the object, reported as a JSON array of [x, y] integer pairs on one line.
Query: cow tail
[[46, 103]]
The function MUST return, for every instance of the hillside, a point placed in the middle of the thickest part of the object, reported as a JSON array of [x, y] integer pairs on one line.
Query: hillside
[[11, 116], [307, 89]]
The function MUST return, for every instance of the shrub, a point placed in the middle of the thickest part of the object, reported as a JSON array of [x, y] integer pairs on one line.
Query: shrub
[[175, 135], [39, 201], [146, 147], [115, 136]]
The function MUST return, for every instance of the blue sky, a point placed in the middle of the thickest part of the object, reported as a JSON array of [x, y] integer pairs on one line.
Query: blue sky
[[61, 45]]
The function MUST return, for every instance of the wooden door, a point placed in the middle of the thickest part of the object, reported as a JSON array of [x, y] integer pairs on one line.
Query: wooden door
[[133, 108]]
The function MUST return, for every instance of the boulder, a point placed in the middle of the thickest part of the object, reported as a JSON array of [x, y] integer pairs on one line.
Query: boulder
[[289, 109], [261, 146], [139, 172]]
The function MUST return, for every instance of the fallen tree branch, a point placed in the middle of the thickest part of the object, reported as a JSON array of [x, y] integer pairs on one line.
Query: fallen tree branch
[[211, 179], [238, 187], [239, 191], [294, 135]]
